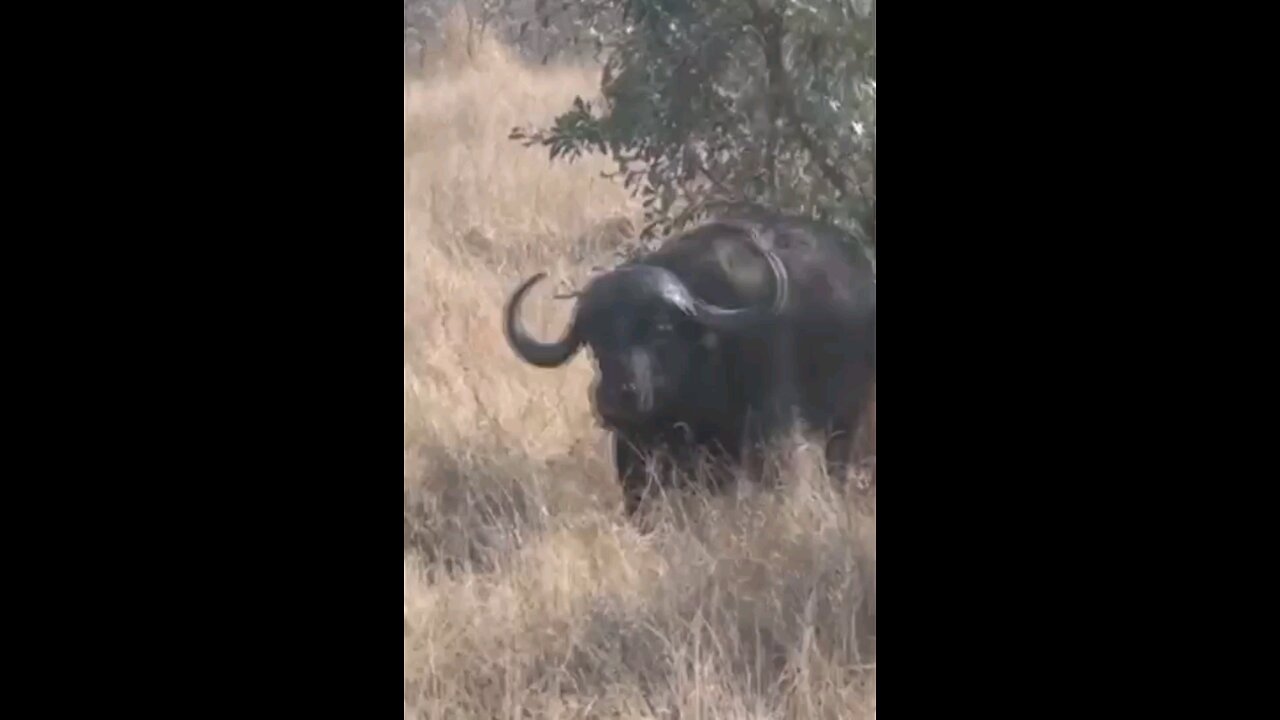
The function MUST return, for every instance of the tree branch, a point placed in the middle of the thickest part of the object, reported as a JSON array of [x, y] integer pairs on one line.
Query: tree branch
[[782, 101], [701, 167], [833, 175], [777, 83]]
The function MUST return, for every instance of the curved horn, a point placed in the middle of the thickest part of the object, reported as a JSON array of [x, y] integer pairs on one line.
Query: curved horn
[[540, 354], [667, 285], [740, 318]]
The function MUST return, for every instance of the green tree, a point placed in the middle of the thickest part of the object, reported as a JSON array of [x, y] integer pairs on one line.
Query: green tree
[[717, 103]]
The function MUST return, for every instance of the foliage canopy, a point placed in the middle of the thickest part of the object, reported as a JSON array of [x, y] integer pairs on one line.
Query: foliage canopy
[[711, 104]]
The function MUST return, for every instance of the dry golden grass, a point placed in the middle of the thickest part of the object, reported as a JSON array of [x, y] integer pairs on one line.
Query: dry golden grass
[[526, 594]]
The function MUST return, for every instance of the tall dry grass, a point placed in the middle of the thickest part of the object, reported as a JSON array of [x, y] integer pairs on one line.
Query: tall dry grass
[[526, 594]]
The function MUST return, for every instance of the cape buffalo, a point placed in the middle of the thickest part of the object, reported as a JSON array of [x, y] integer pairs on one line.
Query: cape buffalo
[[721, 338]]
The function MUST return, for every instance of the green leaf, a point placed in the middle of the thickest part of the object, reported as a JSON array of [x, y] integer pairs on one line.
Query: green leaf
[[680, 74]]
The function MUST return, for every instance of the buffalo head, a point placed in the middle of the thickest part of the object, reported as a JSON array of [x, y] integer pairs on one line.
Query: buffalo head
[[645, 328]]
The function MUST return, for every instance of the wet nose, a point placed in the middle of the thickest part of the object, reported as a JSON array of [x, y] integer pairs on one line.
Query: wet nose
[[637, 397], [611, 401], [621, 401], [626, 397]]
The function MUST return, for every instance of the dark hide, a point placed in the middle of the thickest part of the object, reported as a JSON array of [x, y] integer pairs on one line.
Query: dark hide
[[682, 382]]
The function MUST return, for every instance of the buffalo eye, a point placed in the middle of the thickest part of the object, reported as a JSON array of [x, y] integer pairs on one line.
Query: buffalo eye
[[652, 329], [661, 331]]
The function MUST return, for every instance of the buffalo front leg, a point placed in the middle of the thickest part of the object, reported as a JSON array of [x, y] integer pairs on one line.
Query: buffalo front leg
[[839, 452], [865, 440], [858, 449], [851, 444], [786, 383], [633, 474]]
